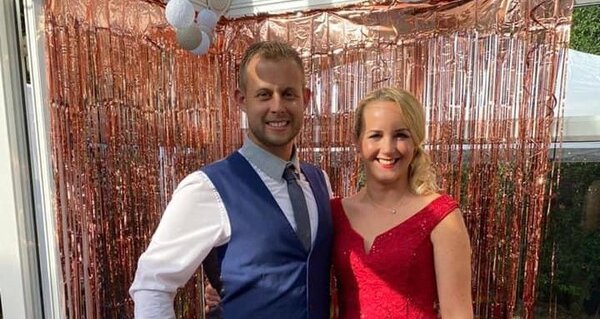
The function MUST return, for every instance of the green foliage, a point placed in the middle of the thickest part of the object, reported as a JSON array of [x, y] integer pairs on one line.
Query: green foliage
[[576, 251], [585, 31], [575, 281]]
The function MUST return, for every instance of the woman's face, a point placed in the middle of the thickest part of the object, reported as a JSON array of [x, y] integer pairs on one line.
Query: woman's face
[[386, 145]]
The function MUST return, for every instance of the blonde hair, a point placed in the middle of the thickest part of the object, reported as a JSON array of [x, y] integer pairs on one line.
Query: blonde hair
[[270, 50], [422, 177]]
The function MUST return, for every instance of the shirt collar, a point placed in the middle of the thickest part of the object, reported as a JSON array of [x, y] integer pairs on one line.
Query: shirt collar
[[270, 164]]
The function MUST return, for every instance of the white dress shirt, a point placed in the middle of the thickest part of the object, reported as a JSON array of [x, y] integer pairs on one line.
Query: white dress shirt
[[194, 222]]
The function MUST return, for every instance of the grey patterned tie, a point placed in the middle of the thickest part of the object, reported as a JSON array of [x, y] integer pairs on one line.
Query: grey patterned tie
[[299, 206]]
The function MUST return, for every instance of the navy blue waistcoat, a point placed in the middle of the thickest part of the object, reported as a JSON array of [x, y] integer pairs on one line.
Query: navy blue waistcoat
[[265, 271]]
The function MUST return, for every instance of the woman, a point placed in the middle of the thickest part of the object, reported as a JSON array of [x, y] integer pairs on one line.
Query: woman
[[401, 249]]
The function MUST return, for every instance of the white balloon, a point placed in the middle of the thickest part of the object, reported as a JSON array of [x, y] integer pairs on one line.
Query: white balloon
[[209, 32], [202, 49], [208, 18], [189, 38], [219, 5], [180, 13]]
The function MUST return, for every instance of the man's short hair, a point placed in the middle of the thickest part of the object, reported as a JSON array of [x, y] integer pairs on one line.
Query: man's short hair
[[270, 50]]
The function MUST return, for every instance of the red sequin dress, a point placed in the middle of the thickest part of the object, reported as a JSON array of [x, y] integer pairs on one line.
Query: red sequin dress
[[396, 278]]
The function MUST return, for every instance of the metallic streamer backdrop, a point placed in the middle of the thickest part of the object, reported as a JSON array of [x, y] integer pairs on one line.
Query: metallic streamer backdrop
[[131, 115]]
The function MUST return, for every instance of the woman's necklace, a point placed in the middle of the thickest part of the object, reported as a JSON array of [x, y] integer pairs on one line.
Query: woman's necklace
[[392, 210]]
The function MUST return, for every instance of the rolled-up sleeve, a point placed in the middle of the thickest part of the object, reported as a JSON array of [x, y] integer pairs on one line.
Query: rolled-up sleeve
[[193, 223]]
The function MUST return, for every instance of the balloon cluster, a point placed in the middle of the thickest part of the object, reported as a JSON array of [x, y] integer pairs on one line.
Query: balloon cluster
[[195, 30]]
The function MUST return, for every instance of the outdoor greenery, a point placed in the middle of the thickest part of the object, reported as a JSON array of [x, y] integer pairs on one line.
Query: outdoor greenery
[[574, 242], [572, 238], [585, 30]]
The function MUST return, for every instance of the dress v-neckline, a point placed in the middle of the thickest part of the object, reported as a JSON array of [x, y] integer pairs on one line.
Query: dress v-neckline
[[368, 251]]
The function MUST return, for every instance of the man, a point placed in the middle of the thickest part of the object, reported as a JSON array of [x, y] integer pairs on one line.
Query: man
[[272, 234]]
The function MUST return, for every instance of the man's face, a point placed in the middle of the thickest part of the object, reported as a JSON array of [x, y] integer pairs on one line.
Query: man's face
[[274, 99]]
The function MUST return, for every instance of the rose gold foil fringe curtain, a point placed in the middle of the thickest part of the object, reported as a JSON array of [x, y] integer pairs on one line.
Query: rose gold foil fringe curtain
[[131, 115]]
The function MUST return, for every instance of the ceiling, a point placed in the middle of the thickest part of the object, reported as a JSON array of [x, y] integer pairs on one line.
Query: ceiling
[[240, 8]]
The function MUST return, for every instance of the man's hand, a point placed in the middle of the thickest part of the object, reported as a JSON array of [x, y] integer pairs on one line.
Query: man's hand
[[211, 298]]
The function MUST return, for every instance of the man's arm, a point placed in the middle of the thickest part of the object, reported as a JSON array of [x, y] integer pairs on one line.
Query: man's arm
[[194, 222]]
